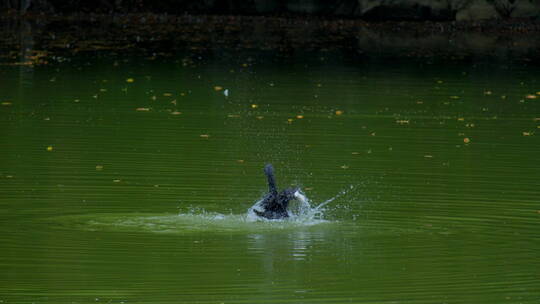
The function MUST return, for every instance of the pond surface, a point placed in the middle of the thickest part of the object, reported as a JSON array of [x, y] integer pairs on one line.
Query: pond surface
[[128, 181]]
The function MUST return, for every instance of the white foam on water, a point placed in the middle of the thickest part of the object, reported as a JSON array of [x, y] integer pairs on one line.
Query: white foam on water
[[301, 214], [300, 210]]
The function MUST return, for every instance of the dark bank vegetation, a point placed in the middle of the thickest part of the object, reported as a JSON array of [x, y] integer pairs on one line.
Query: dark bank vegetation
[[34, 31], [365, 9]]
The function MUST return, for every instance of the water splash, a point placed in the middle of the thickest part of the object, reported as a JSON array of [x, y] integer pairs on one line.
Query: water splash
[[300, 210], [196, 219]]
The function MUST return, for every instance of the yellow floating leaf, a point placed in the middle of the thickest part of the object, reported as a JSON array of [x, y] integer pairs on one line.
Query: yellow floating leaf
[[531, 96], [344, 167], [527, 133], [428, 156], [339, 112], [49, 148], [355, 153], [99, 167], [218, 88], [116, 180], [299, 116], [461, 119], [290, 120], [142, 109], [176, 113], [167, 94], [254, 106], [130, 80], [466, 140], [454, 97], [233, 116], [6, 103], [204, 136], [260, 117], [240, 161]]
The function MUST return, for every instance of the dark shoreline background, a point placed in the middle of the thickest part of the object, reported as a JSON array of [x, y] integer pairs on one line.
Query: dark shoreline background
[[36, 38]]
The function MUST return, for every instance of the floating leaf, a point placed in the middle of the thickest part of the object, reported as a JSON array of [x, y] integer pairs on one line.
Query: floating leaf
[[254, 106], [130, 80], [531, 96], [99, 167], [218, 88], [142, 109], [466, 140], [167, 94], [49, 148], [176, 113], [6, 103], [204, 136], [344, 167], [339, 112], [299, 116]]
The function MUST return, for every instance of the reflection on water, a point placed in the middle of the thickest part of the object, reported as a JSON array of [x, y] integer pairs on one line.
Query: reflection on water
[[102, 161]]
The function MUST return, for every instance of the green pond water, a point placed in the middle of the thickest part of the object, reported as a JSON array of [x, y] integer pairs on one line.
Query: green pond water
[[128, 181]]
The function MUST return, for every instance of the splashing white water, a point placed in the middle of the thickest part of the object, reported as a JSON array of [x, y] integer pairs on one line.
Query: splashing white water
[[196, 219], [301, 211]]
